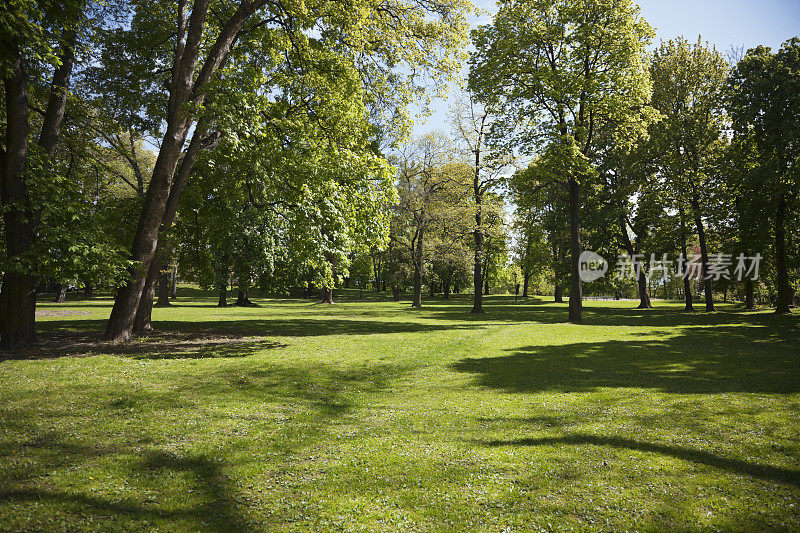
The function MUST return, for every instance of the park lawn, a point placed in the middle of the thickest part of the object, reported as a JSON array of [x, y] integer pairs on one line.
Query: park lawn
[[368, 415]]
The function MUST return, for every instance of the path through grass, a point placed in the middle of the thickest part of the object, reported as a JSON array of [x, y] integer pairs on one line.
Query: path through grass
[[371, 415]]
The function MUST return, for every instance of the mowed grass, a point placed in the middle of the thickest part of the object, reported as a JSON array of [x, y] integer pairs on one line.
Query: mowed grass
[[368, 415]]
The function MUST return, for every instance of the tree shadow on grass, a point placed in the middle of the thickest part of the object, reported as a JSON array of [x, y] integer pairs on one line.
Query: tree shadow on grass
[[546, 312], [202, 339], [736, 466], [156, 345], [699, 360], [215, 511], [39, 445]]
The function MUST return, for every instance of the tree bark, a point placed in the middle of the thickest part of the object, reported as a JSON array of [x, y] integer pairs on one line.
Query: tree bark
[[242, 300], [223, 297], [88, 291], [687, 284], [644, 296], [18, 293], [396, 293], [144, 309], [701, 236], [576, 289], [418, 253], [525, 279], [478, 271], [784, 301], [327, 295], [185, 87], [163, 289], [749, 301], [558, 293]]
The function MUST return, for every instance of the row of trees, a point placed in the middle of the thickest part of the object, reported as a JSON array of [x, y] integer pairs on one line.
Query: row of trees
[[280, 111], [636, 152], [262, 143]]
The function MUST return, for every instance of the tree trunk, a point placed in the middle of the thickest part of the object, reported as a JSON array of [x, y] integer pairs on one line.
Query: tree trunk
[[784, 291], [88, 291], [558, 296], [18, 293], [163, 289], [525, 279], [185, 86], [144, 309], [433, 289], [446, 289], [61, 295], [701, 235], [576, 289], [174, 283], [223, 297], [644, 296], [749, 301], [687, 284], [417, 299], [327, 295], [477, 274], [243, 300], [396, 293]]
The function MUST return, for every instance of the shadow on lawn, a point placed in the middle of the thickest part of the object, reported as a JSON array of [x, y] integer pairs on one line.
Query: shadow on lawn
[[186, 339], [547, 312], [144, 479], [216, 510], [736, 466], [698, 360]]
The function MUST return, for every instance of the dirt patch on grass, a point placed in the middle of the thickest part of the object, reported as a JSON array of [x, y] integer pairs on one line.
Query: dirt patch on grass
[[41, 313]]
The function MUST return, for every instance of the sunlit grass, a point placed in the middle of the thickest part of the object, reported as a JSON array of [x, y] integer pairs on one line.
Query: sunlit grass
[[371, 415]]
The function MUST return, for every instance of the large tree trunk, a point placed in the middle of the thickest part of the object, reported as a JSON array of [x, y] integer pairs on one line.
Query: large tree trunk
[[784, 291], [144, 309], [242, 300], [525, 280], [184, 86], [88, 291], [18, 293], [418, 252], [576, 288], [558, 293], [327, 295], [223, 297]]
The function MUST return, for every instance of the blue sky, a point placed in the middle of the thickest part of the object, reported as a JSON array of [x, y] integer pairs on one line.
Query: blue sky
[[723, 23]]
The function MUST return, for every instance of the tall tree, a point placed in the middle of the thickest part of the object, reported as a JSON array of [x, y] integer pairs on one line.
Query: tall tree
[[559, 67], [764, 103], [201, 44], [688, 83], [30, 32], [473, 123]]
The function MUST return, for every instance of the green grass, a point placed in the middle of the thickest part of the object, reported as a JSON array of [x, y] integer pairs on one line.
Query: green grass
[[370, 415]]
